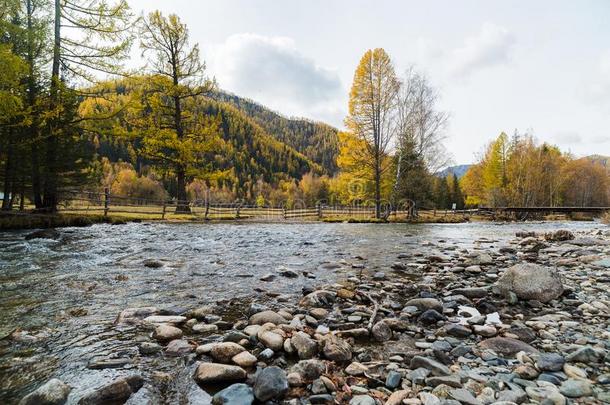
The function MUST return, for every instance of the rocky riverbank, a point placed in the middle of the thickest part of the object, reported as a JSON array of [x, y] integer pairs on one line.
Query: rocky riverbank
[[522, 323]]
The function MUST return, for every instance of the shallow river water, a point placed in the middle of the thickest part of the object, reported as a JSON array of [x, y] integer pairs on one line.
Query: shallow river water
[[61, 297]]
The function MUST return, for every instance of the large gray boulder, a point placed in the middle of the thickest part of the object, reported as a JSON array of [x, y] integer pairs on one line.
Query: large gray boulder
[[531, 281]]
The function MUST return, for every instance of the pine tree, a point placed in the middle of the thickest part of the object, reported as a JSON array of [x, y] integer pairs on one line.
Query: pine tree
[[456, 193], [97, 41], [413, 183], [442, 193]]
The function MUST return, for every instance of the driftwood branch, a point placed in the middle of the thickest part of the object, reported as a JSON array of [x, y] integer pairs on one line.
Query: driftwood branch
[[375, 309]]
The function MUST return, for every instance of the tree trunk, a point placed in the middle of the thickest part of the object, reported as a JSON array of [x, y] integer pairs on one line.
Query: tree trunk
[[182, 205], [377, 189], [8, 178], [22, 195], [33, 129], [36, 194], [50, 184]]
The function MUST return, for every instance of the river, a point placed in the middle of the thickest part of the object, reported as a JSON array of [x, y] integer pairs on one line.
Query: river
[[61, 297]]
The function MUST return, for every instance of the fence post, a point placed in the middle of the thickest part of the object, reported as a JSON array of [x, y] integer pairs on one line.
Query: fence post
[[319, 211], [284, 213], [164, 208], [106, 201], [237, 212], [207, 209]]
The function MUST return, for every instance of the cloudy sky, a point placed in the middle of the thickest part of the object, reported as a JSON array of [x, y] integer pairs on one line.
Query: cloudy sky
[[537, 66]]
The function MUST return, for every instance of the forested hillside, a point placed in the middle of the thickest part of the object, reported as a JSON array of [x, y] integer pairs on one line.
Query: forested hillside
[[316, 140], [244, 155], [519, 171]]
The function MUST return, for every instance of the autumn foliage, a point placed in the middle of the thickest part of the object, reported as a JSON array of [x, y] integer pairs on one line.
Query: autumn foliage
[[520, 172]]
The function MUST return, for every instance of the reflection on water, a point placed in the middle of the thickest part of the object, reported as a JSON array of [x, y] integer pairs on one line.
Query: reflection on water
[[64, 295]]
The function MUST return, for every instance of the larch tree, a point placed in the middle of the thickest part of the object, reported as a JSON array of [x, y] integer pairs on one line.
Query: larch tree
[[179, 78], [372, 103], [495, 175]]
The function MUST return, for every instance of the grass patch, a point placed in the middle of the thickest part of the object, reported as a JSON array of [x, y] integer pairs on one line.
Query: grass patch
[[15, 221], [581, 216], [34, 221]]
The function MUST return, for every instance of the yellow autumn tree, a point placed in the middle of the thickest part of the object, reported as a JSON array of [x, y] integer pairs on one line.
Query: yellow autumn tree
[[355, 183], [372, 102]]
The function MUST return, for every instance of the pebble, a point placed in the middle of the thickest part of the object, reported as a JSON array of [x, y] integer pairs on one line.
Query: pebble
[[433, 366], [550, 362], [236, 394], [575, 388], [356, 369], [244, 359], [210, 373], [263, 317], [225, 351], [270, 383], [166, 333], [393, 379], [178, 348], [362, 400]]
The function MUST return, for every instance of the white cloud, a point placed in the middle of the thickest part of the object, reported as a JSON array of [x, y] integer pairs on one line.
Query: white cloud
[[598, 89], [272, 71], [568, 137], [490, 47]]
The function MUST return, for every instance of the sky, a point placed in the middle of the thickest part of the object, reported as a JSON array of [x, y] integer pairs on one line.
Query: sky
[[541, 67]]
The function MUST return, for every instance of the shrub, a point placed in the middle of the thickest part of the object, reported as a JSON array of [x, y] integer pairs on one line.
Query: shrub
[[128, 184]]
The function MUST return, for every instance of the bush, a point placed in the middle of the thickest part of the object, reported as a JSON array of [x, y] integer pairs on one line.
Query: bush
[[128, 184]]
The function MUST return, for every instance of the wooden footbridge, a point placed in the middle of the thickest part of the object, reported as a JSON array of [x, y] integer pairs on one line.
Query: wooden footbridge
[[545, 210]]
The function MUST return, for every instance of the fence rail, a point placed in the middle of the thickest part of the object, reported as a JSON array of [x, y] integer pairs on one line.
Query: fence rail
[[105, 203], [94, 202]]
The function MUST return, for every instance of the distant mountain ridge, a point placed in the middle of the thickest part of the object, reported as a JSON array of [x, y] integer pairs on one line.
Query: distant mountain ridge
[[458, 170], [601, 159]]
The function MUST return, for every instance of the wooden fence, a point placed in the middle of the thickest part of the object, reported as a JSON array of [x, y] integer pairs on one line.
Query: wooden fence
[[85, 202]]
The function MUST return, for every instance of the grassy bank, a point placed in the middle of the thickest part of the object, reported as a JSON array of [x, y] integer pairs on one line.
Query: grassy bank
[[34, 221], [15, 221]]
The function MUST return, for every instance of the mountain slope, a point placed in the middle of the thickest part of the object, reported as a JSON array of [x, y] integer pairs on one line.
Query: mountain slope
[[602, 160], [316, 140], [248, 155], [251, 153], [459, 171]]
